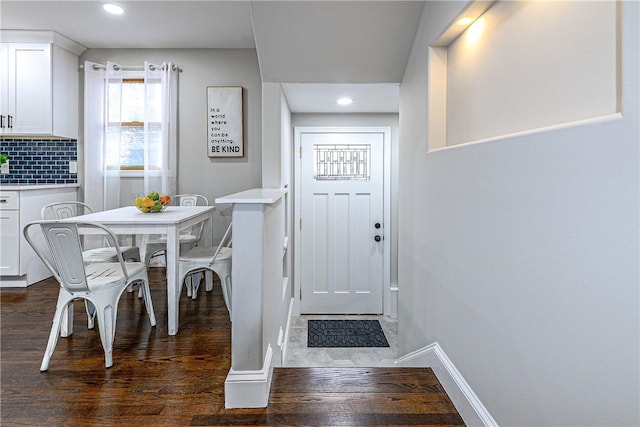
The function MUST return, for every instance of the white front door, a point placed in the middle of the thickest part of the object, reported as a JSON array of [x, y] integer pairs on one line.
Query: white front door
[[341, 229]]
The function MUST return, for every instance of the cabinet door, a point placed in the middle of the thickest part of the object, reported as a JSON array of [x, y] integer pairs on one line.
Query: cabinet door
[[64, 93], [29, 88], [4, 87], [9, 243]]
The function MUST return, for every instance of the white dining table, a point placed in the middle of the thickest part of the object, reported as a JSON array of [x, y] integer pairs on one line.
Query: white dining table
[[169, 222]]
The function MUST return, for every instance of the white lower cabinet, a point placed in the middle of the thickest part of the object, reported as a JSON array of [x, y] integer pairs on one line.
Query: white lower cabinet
[[9, 233], [19, 265]]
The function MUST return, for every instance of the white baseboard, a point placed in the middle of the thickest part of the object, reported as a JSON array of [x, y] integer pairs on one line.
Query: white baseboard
[[471, 409], [249, 389], [13, 282]]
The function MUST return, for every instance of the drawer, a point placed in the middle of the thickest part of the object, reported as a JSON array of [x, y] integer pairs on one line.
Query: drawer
[[9, 200]]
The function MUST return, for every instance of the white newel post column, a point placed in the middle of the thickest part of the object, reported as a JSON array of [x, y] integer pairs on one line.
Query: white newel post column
[[256, 276]]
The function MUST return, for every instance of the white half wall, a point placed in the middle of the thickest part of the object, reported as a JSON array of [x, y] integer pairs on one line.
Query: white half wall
[[519, 256]]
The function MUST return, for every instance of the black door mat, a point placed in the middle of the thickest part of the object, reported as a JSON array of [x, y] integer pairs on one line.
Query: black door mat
[[345, 333]]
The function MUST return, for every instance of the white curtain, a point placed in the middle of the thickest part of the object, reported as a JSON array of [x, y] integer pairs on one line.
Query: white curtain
[[94, 125], [160, 166], [102, 96]]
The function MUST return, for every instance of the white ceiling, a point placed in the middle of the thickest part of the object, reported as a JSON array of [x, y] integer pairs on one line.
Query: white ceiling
[[333, 41], [321, 97], [145, 24], [324, 49]]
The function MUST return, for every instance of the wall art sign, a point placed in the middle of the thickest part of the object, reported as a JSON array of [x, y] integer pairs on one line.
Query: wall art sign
[[224, 121]]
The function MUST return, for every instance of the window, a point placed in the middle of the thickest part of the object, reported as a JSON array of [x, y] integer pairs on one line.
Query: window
[[134, 112], [342, 162]]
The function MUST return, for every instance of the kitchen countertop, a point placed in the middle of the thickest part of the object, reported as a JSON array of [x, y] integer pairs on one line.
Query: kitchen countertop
[[23, 187]]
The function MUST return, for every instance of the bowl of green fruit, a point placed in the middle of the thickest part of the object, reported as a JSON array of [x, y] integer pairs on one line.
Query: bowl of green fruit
[[152, 202]]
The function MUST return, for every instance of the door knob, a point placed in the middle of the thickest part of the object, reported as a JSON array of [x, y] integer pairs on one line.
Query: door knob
[[377, 238]]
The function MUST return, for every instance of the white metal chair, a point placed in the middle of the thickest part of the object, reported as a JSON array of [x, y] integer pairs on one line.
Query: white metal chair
[[204, 258], [70, 209], [99, 284], [188, 237]]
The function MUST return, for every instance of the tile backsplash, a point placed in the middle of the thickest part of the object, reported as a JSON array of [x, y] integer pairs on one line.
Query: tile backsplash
[[39, 161]]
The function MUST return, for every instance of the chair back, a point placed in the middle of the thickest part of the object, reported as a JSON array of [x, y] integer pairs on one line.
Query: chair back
[[64, 210], [64, 255], [192, 200]]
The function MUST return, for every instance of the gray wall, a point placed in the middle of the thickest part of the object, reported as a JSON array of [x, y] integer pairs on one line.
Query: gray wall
[[519, 256], [197, 173]]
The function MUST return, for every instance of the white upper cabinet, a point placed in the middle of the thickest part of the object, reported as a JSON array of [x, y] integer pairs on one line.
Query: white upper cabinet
[[38, 84], [28, 89]]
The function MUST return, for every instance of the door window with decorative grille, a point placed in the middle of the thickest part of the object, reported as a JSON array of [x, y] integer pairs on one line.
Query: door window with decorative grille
[[342, 162]]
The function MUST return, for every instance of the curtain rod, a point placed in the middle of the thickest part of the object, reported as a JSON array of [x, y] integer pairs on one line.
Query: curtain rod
[[117, 67]]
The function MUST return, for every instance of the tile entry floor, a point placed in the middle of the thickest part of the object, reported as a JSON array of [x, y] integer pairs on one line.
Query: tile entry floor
[[299, 355]]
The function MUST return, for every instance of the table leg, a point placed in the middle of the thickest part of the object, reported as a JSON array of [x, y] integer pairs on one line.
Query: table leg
[[173, 285], [207, 240], [207, 232]]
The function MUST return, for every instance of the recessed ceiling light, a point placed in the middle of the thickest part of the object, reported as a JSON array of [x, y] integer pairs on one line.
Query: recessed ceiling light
[[464, 21], [345, 101], [113, 9]]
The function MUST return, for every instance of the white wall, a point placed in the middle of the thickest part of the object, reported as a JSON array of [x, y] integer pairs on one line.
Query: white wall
[[271, 135], [197, 173], [277, 146], [373, 120], [519, 256], [561, 67]]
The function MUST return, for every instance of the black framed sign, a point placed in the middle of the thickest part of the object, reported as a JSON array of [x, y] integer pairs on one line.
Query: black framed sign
[[224, 121]]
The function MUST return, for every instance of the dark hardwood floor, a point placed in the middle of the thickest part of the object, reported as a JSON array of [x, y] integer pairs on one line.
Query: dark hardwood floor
[[178, 380]]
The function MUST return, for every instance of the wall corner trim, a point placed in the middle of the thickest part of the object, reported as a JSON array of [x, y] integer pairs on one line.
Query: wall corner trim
[[471, 409], [249, 389], [287, 333]]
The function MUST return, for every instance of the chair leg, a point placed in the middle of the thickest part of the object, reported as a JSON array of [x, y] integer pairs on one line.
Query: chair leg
[[208, 275], [91, 313], [53, 335], [106, 326], [146, 293], [188, 283], [225, 284], [195, 285], [66, 325], [197, 277]]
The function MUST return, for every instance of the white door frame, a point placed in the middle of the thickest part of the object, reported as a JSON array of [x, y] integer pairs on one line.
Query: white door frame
[[386, 267]]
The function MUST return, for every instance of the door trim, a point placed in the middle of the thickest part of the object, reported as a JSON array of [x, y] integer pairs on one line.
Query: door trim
[[387, 300]]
